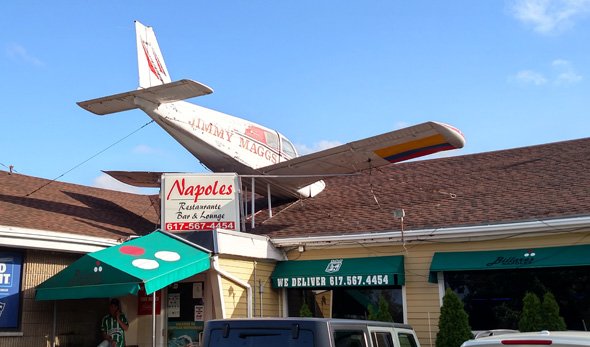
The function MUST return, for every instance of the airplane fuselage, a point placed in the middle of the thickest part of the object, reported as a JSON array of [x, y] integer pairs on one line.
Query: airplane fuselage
[[205, 133]]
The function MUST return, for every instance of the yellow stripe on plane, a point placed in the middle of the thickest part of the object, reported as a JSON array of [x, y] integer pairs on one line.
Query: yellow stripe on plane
[[411, 145]]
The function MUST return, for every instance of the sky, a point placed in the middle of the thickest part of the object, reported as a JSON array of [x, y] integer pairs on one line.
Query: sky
[[507, 73]]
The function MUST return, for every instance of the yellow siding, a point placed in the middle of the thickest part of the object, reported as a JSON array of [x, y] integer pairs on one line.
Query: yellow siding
[[76, 324], [254, 272], [422, 297], [270, 297]]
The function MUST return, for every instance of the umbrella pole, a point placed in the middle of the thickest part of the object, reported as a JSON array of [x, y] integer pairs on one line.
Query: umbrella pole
[[54, 323], [154, 319]]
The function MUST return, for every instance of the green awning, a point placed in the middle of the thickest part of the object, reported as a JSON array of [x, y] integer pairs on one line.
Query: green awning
[[510, 259], [151, 262], [347, 272]]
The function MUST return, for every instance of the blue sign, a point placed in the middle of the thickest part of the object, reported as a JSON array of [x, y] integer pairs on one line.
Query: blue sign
[[11, 264]]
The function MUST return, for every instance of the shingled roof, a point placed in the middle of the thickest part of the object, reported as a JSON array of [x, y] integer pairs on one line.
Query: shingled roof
[[542, 182], [75, 209], [524, 184]]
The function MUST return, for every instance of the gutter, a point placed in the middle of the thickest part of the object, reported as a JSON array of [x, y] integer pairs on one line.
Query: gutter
[[50, 240], [471, 232], [246, 245], [236, 280]]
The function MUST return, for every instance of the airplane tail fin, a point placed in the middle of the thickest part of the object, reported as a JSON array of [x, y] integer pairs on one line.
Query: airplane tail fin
[[152, 68], [155, 86]]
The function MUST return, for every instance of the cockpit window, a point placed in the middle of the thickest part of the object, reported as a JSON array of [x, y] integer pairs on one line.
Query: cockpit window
[[267, 137], [288, 148], [272, 140]]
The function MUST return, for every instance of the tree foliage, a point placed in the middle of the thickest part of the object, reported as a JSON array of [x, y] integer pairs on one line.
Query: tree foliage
[[382, 314], [453, 324], [530, 318], [304, 311], [537, 316], [550, 313]]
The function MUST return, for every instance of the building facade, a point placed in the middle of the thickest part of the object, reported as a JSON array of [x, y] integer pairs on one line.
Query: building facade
[[489, 226]]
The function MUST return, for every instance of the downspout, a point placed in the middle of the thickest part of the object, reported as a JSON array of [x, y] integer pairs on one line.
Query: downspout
[[254, 296], [237, 281], [261, 290]]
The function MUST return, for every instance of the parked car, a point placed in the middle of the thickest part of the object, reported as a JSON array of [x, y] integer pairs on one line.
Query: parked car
[[307, 332], [534, 339]]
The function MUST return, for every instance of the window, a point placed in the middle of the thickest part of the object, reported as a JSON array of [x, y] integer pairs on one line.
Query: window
[[243, 337], [267, 137], [349, 338], [349, 302], [381, 339], [272, 140], [406, 340], [287, 148], [493, 298]]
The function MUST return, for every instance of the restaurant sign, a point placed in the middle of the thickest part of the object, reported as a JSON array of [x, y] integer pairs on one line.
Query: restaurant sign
[[199, 202], [334, 281], [334, 273]]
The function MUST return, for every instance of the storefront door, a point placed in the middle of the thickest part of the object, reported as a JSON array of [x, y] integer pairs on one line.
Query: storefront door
[[185, 311]]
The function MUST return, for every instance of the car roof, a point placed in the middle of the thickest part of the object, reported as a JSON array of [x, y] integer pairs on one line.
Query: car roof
[[257, 321]]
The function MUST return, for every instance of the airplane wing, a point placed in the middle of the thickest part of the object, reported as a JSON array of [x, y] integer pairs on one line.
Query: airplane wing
[[392, 147], [286, 178], [147, 179]]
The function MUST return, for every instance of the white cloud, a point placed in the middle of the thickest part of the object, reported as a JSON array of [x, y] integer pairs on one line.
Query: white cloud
[[530, 77], [18, 52], [105, 181], [550, 16], [562, 73], [318, 146], [566, 74]]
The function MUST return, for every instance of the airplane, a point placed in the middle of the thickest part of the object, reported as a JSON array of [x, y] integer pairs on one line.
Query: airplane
[[225, 143]]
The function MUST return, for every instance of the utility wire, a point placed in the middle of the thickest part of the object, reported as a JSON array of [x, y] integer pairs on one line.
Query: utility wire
[[87, 160], [10, 168]]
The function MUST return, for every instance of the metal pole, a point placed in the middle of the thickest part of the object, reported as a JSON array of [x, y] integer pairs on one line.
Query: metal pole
[[154, 319], [269, 202], [252, 208], [54, 324], [243, 205]]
